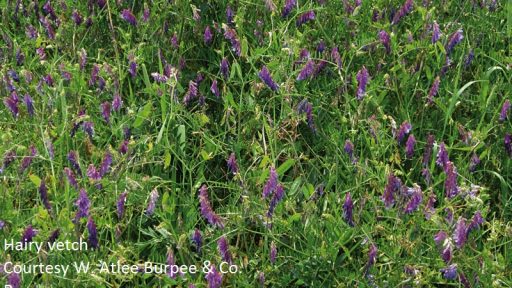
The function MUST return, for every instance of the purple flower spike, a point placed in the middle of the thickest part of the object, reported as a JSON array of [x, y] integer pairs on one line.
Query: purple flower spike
[[469, 58], [415, 200], [307, 71], [232, 165], [9, 157], [454, 39], [12, 104], [460, 233], [197, 238], [504, 110], [508, 144], [336, 57], [265, 76], [276, 198], [71, 177], [83, 59], [475, 160], [447, 252], [372, 255], [433, 90], [288, 7], [73, 159], [76, 17], [429, 207], [450, 184], [223, 247], [120, 205], [153, 198], [43, 193], [362, 81], [440, 237], [132, 68], [191, 93], [476, 222], [271, 184], [83, 204], [208, 35], [442, 156], [88, 127], [230, 15], [385, 40], [105, 111], [105, 164], [394, 184], [14, 280], [305, 17], [349, 148], [207, 210], [404, 10], [224, 68], [117, 102], [273, 252], [215, 89], [93, 233], [213, 277], [405, 128], [27, 160], [159, 77], [409, 146], [436, 33], [174, 41], [93, 173], [28, 234], [128, 16], [30, 104], [230, 34], [171, 262], [348, 206]]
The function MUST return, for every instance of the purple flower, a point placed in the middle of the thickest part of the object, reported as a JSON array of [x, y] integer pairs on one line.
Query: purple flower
[[385, 40], [276, 198], [288, 7], [508, 143], [224, 68], [436, 33], [335, 55], [405, 128], [404, 10], [174, 41], [83, 204], [450, 272], [372, 255], [20, 57], [469, 58], [415, 200], [349, 148], [475, 160], [9, 157], [476, 222], [73, 159], [429, 207], [320, 47], [215, 89], [153, 198], [48, 27], [76, 17], [394, 184], [207, 210], [460, 233], [232, 165], [271, 184], [348, 206], [440, 237], [43, 193], [305, 107], [442, 156], [223, 247], [265, 76], [88, 127], [146, 14], [12, 104], [105, 164], [117, 102], [208, 35], [50, 148], [132, 68], [31, 32], [191, 92], [171, 262], [28, 234], [450, 184], [230, 34], [83, 59], [128, 16], [307, 71], [105, 111], [454, 39], [273, 252], [159, 77], [270, 5], [409, 146], [433, 90], [229, 15], [93, 173], [93, 233], [120, 204], [71, 177], [447, 253], [504, 110], [14, 280], [213, 277], [27, 160], [362, 81], [197, 238], [305, 17]]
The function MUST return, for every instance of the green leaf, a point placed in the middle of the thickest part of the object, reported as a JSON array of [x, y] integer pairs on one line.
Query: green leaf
[[285, 167], [36, 180], [143, 115]]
